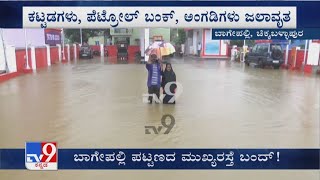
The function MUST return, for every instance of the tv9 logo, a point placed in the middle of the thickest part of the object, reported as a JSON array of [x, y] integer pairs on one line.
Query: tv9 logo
[[41, 156]]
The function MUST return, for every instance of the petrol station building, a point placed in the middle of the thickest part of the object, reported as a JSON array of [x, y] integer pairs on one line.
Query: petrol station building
[[209, 48]]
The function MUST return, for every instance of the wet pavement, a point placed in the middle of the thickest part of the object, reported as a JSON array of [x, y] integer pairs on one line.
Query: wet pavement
[[99, 103]]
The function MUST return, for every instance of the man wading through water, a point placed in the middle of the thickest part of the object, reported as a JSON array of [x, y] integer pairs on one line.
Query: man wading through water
[[154, 77]]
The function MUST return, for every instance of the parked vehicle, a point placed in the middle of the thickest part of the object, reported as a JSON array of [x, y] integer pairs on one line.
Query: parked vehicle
[[86, 51], [265, 54]]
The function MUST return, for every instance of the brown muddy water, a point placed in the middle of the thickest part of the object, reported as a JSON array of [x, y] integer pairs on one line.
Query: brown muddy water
[[98, 104]]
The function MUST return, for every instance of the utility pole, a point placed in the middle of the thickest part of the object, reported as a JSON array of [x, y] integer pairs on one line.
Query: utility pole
[[80, 36]]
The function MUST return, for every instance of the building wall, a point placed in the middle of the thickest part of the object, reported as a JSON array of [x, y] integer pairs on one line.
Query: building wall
[[213, 48], [197, 37], [123, 33], [16, 37], [210, 48], [92, 40], [135, 35], [194, 42], [164, 32]]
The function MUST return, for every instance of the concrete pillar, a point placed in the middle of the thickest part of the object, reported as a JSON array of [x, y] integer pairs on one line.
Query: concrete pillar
[[68, 51], [142, 42], [305, 53], [308, 59], [11, 58], [287, 53], [75, 51], [295, 57], [60, 52], [183, 48], [194, 42], [200, 39], [146, 42], [48, 55], [101, 50], [313, 53], [63, 45], [33, 58]]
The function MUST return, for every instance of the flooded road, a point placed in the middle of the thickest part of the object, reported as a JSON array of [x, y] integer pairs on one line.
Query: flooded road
[[99, 104]]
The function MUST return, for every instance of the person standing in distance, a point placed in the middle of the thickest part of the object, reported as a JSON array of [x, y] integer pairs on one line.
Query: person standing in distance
[[199, 48]]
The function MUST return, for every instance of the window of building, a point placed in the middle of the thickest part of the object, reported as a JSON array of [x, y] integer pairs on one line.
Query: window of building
[[97, 43]]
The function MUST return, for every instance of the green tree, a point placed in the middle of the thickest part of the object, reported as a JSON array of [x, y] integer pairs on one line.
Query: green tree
[[179, 36], [74, 34]]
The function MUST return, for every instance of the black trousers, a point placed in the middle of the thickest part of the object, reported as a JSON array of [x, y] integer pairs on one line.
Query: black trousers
[[169, 99], [153, 90]]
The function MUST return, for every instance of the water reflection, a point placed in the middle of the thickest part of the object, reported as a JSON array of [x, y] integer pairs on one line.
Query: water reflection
[[98, 103]]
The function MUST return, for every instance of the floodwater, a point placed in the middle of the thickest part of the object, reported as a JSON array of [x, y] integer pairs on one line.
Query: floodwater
[[99, 104]]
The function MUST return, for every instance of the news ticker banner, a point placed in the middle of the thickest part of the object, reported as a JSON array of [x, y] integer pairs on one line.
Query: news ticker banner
[[47, 156], [173, 17], [265, 34], [178, 14]]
